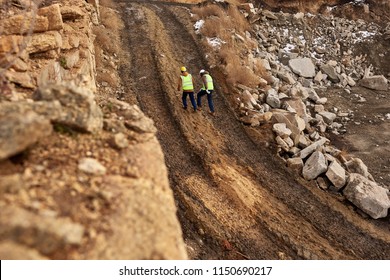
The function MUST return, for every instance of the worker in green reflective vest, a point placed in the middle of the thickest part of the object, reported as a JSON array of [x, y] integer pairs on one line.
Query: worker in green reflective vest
[[186, 84], [207, 89]]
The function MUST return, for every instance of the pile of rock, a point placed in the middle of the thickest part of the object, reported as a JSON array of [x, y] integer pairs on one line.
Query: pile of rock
[[299, 65]]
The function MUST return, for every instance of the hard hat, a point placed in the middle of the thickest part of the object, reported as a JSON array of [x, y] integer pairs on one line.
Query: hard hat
[[202, 71], [183, 69]]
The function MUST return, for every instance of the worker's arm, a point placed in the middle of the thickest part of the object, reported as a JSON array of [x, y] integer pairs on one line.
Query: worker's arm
[[179, 84], [204, 80]]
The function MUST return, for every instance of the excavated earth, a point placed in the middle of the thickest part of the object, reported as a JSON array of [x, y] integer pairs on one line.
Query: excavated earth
[[235, 197]]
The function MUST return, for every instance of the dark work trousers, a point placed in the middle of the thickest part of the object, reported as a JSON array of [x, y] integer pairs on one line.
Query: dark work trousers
[[192, 98], [209, 99]]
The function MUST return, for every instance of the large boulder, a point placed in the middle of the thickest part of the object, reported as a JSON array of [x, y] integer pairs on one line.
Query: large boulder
[[367, 195], [79, 107], [20, 131], [303, 67], [378, 82]]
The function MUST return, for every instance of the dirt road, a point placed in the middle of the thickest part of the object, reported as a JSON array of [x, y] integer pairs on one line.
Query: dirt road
[[235, 199]]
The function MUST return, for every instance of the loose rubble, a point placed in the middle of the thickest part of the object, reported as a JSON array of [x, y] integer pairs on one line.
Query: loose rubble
[[301, 64]]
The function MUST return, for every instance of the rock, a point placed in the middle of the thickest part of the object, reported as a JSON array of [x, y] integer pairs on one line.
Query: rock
[[299, 107], [91, 166], [336, 174], [22, 79], [312, 95], [328, 117], [16, 63], [70, 58], [11, 183], [119, 141], [311, 148], [378, 82], [255, 118], [51, 110], [273, 98], [319, 77], [290, 121], [303, 142], [295, 164], [356, 165], [71, 13], [286, 77], [303, 67], [18, 132], [322, 100], [13, 251], [270, 15], [281, 143], [43, 42], [24, 24], [330, 71], [136, 121], [80, 110], [323, 183], [281, 130], [53, 14], [319, 108], [248, 99], [46, 234], [367, 195], [11, 43], [314, 166]]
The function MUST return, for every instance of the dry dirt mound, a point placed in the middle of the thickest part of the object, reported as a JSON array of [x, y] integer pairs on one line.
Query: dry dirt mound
[[235, 198]]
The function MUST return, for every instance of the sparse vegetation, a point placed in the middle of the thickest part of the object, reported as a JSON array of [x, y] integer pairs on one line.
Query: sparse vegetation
[[62, 61], [229, 25], [208, 11]]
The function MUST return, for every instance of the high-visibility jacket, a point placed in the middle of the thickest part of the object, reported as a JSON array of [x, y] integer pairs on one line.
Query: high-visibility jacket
[[209, 81], [187, 82]]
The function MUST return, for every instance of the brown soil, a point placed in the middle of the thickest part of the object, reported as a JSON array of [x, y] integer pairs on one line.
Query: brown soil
[[235, 197]]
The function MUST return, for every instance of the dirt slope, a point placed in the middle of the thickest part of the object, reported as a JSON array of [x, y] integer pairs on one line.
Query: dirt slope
[[235, 198]]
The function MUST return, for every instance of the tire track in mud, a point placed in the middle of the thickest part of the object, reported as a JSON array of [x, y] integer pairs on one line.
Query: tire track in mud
[[304, 202], [188, 178], [292, 219]]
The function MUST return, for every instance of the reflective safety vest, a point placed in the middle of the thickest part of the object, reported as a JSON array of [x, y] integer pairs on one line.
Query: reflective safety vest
[[187, 82], [209, 81]]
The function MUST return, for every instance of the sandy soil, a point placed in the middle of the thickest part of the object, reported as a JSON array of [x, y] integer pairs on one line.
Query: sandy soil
[[235, 198]]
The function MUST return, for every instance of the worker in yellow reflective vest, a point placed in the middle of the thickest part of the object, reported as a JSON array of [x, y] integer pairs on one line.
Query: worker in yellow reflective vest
[[207, 89], [186, 84]]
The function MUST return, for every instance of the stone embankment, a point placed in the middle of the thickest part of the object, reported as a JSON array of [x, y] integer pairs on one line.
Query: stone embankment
[[302, 62]]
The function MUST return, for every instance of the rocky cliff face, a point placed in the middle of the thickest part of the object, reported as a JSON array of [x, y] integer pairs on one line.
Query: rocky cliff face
[[41, 44], [78, 179]]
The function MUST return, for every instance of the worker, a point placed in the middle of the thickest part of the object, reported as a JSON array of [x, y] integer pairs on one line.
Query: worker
[[186, 84], [207, 89]]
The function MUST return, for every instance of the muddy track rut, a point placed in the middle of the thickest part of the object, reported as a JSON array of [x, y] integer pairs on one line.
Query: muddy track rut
[[235, 198]]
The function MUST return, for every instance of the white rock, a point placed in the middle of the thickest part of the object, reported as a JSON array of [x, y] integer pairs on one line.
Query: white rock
[[328, 117], [281, 130], [367, 195], [314, 166], [91, 166], [310, 149], [336, 174], [303, 67]]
